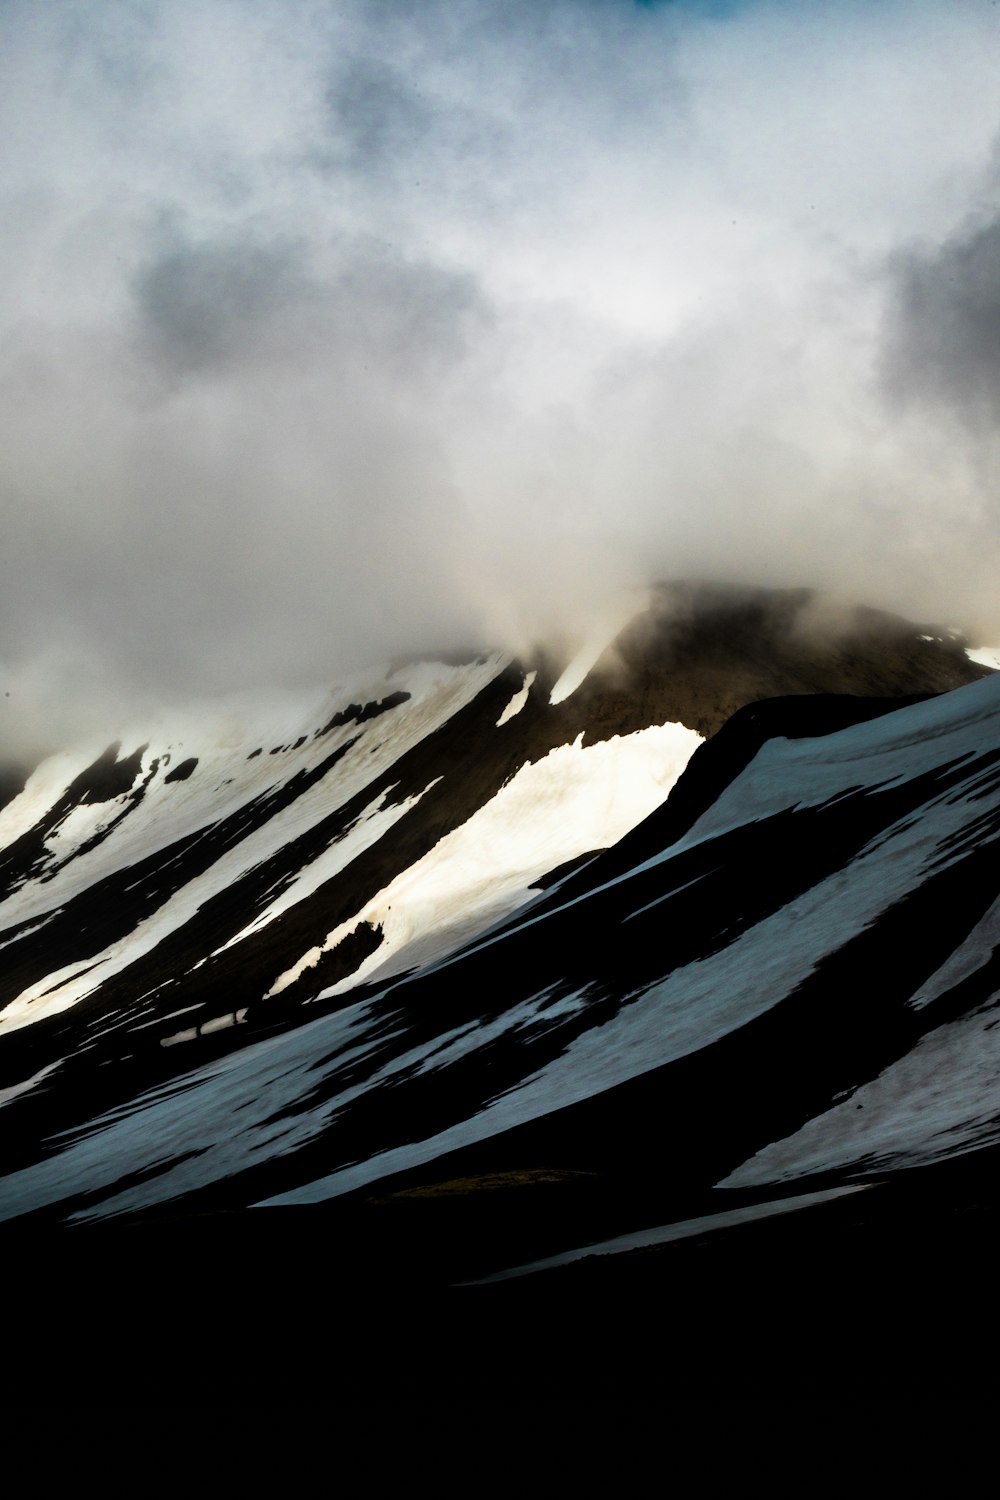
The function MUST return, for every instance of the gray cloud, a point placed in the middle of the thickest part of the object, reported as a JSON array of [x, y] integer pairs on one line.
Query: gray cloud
[[210, 305], [230, 305], [943, 342], [330, 328], [380, 120]]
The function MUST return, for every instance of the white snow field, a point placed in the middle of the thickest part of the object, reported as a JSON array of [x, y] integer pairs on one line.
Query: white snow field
[[574, 800]]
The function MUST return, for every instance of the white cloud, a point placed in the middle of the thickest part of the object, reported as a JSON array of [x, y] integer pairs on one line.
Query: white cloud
[[333, 327]]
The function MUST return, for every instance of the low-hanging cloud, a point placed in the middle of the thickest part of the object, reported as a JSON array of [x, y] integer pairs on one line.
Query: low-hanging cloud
[[332, 329]]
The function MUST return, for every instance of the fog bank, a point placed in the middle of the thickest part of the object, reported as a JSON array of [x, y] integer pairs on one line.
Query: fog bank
[[333, 330]]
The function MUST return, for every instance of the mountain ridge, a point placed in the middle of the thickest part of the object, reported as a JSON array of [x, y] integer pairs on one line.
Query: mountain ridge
[[775, 983]]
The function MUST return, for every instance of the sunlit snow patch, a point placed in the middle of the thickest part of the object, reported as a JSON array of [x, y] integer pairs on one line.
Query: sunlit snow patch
[[228, 739], [985, 656], [574, 800], [518, 701]]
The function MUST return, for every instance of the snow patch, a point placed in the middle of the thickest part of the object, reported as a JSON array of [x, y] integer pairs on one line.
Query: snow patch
[[518, 701], [574, 800], [373, 824], [607, 624], [226, 784], [26, 931], [15, 1089], [938, 1101], [666, 1234], [985, 656]]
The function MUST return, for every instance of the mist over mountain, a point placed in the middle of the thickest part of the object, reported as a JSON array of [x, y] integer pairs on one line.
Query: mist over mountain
[[331, 328]]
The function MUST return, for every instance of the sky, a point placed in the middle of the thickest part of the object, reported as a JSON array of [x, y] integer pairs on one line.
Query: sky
[[334, 329]]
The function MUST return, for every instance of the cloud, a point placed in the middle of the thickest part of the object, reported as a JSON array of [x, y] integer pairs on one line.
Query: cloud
[[227, 306], [332, 328], [943, 346], [212, 305], [379, 120]]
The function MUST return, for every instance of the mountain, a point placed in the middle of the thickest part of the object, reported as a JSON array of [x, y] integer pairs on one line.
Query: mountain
[[522, 990]]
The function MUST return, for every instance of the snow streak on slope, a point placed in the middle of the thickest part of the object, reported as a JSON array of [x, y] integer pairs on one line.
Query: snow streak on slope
[[576, 799], [665, 1234], [616, 613], [941, 1100], [295, 847], [243, 775], [704, 1002], [518, 701]]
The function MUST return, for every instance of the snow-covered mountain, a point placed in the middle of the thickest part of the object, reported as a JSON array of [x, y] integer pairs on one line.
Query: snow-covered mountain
[[695, 932]]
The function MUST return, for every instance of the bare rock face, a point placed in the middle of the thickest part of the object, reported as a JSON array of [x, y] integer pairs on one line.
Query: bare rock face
[[701, 651]]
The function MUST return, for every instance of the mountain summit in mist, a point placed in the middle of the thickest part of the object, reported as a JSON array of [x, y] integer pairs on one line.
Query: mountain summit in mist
[[481, 976], [609, 983]]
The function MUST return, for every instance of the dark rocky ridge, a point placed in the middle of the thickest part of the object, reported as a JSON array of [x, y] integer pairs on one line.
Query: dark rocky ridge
[[703, 651]]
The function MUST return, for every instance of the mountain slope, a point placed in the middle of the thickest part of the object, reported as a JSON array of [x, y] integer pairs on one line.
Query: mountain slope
[[637, 1070], [739, 926]]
